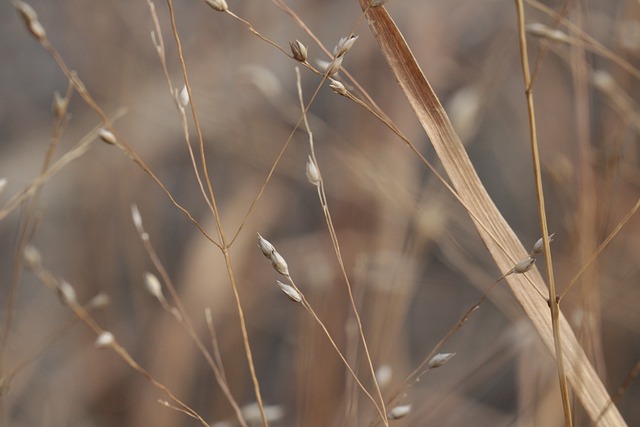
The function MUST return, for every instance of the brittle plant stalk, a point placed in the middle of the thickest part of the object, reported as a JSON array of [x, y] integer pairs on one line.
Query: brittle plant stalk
[[223, 243], [336, 245], [553, 301]]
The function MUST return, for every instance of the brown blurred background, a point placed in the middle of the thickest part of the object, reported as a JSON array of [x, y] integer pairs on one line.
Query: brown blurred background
[[413, 257]]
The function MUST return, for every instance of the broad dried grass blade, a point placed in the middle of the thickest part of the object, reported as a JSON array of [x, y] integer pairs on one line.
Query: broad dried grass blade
[[497, 235]]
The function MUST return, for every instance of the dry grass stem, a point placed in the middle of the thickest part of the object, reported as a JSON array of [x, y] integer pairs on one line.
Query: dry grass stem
[[586, 384]]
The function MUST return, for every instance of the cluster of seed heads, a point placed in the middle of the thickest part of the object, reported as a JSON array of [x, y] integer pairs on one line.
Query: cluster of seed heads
[[277, 261], [525, 265]]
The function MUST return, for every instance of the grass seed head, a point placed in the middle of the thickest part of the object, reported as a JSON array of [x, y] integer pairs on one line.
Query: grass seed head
[[99, 301], [542, 31], [344, 45], [338, 87], [384, 374], [104, 340], [107, 136], [334, 66], [219, 5], [183, 97], [539, 245], [290, 291], [399, 412], [265, 246], [524, 265], [32, 258], [313, 174], [66, 293], [30, 18], [279, 264], [299, 51], [153, 286], [439, 359]]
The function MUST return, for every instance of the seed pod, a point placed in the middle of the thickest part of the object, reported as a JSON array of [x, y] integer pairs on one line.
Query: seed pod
[[266, 247], [219, 5], [298, 50], [104, 340], [338, 87], [344, 45], [334, 66], [30, 18], [279, 263], [399, 412], [313, 175], [107, 136], [439, 360], [290, 291], [524, 266]]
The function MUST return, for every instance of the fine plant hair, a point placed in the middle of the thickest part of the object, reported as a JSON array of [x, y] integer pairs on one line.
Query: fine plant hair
[[416, 268]]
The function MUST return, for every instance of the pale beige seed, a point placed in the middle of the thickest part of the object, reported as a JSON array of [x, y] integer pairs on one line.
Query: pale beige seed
[[313, 175], [30, 18], [399, 412], [334, 66], [279, 263], [523, 266], [266, 247], [104, 340], [219, 5], [344, 45], [153, 286], [439, 359], [338, 87], [67, 293], [32, 257], [107, 136], [298, 50], [290, 291]]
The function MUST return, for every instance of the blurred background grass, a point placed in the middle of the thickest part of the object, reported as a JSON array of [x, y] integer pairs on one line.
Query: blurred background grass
[[415, 260]]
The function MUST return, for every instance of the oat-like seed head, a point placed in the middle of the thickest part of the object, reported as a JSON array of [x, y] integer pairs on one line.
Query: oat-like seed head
[[399, 412], [524, 265], [137, 218], [539, 245], [344, 45], [107, 136], [313, 175], [30, 18], [439, 359], [266, 247], [66, 293], [279, 263], [104, 340], [183, 97], [334, 66], [219, 5], [290, 291], [299, 51], [384, 374], [32, 257], [538, 29], [153, 286], [269, 251], [99, 301], [338, 87]]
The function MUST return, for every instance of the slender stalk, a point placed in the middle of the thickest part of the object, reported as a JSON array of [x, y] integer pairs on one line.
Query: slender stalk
[[223, 244], [553, 301]]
